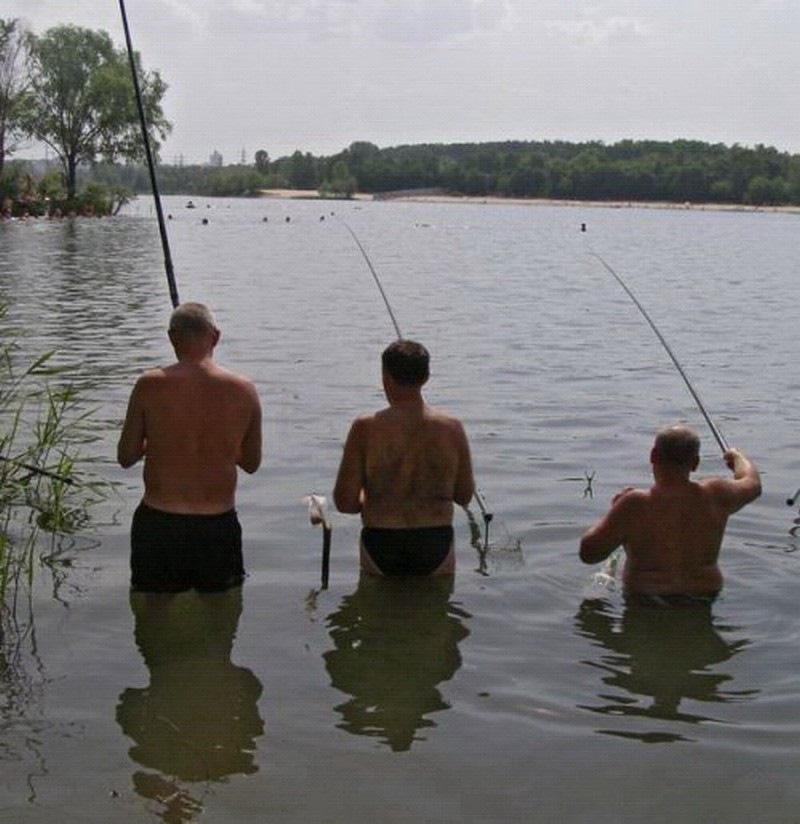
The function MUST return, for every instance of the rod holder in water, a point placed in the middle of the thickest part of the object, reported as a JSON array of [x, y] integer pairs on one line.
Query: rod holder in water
[[487, 517], [317, 514]]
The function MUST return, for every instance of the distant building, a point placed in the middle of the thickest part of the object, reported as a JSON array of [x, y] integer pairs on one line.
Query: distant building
[[215, 159]]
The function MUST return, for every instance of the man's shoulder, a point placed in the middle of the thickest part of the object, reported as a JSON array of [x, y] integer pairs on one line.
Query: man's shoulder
[[631, 500], [714, 484], [228, 377], [440, 416], [152, 376]]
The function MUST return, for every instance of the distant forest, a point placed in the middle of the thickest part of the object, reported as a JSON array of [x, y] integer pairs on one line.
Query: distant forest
[[630, 170]]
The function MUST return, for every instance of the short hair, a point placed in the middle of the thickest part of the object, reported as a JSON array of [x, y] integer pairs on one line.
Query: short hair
[[407, 362], [678, 445], [192, 320]]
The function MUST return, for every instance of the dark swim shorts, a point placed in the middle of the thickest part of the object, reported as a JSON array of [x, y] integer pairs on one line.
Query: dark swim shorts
[[672, 599], [174, 553], [417, 551]]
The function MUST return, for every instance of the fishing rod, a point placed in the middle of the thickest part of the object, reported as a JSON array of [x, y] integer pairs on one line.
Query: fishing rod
[[723, 444], [38, 471], [376, 278], [487, 516], [162, 227]]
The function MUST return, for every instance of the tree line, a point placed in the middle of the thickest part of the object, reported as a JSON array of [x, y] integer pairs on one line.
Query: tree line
[[675, 171], [71, 90]]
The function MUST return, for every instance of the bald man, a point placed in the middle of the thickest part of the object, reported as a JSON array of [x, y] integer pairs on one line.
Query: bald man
[[672, 532], [194, 422]]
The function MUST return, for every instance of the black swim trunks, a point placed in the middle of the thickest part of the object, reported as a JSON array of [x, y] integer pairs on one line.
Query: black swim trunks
[[174, 553], [419, 551], [672, 599]]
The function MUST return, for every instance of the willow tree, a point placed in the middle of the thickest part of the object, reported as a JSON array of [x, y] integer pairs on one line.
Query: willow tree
[[14, 42], [82, 102]]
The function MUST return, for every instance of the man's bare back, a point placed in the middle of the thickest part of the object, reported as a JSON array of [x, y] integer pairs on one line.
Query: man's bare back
[[193, 422], [672, 532], [410, 465], [402, 469]]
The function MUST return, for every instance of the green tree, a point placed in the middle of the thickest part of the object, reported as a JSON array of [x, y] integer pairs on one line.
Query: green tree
[[303, 171], [262, 161], [14, 45], [766, 191], [340, 183], [82, 103]]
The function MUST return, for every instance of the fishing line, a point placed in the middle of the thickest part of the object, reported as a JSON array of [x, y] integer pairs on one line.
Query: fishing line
[[790, 501], [162, 228], [487, 516], [723, 444], [376, 278]]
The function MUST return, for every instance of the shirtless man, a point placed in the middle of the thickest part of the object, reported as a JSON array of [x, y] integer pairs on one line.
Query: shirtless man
[[402, 470], [672, 532], [194, 423]]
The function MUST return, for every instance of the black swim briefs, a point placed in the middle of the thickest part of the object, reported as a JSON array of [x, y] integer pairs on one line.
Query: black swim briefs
[[174, 553], [419, 551], [672, 599]]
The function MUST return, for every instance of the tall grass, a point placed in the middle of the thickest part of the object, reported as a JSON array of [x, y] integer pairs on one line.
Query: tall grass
[[46, 489]]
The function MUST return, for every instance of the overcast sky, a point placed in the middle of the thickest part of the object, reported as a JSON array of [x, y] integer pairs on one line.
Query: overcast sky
[[316, 75]]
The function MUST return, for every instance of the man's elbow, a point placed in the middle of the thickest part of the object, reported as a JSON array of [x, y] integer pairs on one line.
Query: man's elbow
[[346, 503], [250, 455], [463, 496], [250, 466], [126, 458], [590, 552]]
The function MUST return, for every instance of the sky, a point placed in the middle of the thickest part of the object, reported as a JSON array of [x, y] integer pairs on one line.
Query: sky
[[317, 75]]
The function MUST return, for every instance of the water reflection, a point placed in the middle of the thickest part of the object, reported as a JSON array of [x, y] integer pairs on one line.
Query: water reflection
[[394, 641], [198, 719], [657, 659]]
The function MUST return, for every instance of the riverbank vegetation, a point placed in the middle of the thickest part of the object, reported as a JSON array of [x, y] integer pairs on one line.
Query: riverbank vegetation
[[678, 171], [46, 487], [77, 76]]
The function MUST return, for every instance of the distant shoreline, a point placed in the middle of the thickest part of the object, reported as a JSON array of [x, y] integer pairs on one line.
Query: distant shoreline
[[410, 197]]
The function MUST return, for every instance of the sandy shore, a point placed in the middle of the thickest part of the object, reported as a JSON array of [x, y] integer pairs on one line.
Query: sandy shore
[[312, 194]]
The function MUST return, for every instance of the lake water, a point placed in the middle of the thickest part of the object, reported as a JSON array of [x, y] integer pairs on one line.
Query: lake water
[[524, 692]]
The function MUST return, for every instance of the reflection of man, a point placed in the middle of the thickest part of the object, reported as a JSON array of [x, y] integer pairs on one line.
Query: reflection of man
[[402, 470], [393, 645], [194, 422], [198, 718], [658, 658], [672, 532]]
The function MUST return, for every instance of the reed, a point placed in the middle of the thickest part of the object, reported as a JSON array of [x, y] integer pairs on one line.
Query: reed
[[45, 482]]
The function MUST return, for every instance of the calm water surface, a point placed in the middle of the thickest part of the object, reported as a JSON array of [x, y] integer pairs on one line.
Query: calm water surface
[[523, 692]]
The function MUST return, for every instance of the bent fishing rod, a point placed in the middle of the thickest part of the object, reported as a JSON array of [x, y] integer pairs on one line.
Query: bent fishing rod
[[487, 516], [162, 228], [723, 444], [376, 278]]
